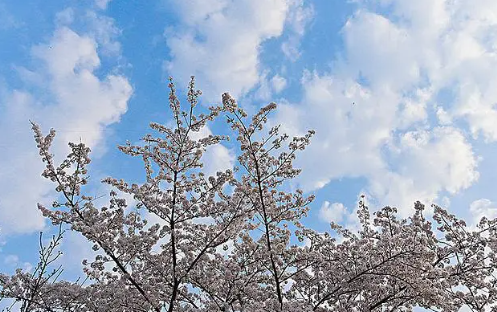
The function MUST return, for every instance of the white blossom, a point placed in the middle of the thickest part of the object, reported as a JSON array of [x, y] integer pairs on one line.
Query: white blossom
[[181, 264]]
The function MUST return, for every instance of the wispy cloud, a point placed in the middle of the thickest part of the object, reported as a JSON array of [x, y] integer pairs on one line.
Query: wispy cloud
[[102, 4], [395, 105], [220, 41], [298, 19], [61, 90], [7, 19]]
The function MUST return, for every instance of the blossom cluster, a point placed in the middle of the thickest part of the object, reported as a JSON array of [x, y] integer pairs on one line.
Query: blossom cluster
[[245, 256]]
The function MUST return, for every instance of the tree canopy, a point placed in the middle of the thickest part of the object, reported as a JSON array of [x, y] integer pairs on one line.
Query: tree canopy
[[235, 242]]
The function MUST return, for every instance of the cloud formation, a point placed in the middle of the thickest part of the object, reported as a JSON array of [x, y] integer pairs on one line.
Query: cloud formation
[[402, 106], [62, 90], [334, 212], [298, 18], [216, 157], [483, 208], [219, 41]]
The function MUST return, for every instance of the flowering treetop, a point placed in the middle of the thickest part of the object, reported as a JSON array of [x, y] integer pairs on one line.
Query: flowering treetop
[[182, 263]]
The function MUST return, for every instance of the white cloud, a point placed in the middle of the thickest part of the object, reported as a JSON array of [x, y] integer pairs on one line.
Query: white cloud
[[443, 116], [269, 87], [7, 19], [11, 260], [75, 248], [453, 44], [428, 162], [64, 17], [64, 93], [82, 102], [340, 214], [278, 83], [216, 157], [99, 27], [443, 155], [219, 42], [334, 212], [297, 19], [483, 208], [102, 4], [351, 126], [264, 92], [355, 130], [412, 109], [104, 31], [372, 112], [379, 50]]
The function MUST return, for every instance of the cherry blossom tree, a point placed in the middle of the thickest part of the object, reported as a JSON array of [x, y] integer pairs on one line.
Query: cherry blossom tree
[[234, 241]]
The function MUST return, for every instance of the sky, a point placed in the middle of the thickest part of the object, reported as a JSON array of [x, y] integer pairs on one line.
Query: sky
[[402, 95]]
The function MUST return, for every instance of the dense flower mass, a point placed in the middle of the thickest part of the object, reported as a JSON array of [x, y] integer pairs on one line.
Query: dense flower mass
[[226, 242]]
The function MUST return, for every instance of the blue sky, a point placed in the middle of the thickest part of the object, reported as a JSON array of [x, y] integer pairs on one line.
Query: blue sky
[[401, 94]]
